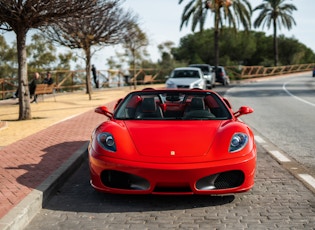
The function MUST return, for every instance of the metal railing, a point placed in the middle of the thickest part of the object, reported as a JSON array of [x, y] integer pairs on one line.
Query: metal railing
[[246, 72], [66, 80]]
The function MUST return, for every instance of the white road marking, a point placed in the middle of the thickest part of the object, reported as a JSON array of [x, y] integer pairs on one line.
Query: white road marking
[[259, 140], [279, 156], [296, 97], [308, 179]]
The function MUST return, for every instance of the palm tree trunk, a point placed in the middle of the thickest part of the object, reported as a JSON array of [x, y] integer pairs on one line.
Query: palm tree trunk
[[216, 36], [134, 69], [275, 43]]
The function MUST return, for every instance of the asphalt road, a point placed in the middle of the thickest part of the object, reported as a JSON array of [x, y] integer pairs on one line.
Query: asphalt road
[[277, 201], [284, 111]]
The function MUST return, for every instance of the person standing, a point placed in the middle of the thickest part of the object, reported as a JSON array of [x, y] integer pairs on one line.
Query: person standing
[[32, 87], [94, 73]]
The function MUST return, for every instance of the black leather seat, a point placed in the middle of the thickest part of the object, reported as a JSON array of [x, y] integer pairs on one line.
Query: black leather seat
[[197, 109], [149, 109], [197, 103]]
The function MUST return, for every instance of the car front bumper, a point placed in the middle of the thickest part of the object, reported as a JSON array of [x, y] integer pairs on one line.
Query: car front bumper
[[127, 177]]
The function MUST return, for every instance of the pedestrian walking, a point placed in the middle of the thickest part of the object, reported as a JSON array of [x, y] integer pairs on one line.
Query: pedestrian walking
[[94, 72]]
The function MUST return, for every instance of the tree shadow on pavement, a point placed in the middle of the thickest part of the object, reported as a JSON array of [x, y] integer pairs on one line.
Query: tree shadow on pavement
[[43, 163]]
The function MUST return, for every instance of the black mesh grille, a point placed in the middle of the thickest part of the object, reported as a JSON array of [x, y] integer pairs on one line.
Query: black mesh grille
[[224, 180], [229, 179], [122, 180]]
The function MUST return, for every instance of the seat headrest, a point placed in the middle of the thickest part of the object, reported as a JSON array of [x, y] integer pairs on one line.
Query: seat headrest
[[148, 105], [197, 103]]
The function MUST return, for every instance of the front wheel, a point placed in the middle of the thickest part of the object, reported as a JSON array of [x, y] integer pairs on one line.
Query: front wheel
[[225, 82], [208, 85]]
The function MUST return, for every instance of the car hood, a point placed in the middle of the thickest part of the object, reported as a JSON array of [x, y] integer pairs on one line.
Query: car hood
[[184, 81], [173, 138]]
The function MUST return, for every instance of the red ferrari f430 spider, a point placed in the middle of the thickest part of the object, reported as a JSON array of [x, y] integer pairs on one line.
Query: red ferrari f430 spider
[[172, 141]]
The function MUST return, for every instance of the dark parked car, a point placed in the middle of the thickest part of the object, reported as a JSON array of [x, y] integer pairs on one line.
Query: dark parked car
[[221, 75], [314, 72]]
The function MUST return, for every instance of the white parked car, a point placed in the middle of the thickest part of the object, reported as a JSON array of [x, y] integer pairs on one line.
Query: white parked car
[[208, 73], [186, 77]]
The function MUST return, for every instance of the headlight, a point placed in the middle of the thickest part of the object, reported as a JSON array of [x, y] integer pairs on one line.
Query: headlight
[[106, 140], [197, 84], [170, 84], [238, 142]]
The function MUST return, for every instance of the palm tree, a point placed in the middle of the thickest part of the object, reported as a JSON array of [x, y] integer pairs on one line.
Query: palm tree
[[275, 12], [230, 12]]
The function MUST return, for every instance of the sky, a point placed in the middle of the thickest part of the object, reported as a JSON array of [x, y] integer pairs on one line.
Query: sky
[[160, 20]]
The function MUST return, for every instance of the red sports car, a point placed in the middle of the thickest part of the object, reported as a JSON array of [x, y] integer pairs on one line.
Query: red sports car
[[172, 141]]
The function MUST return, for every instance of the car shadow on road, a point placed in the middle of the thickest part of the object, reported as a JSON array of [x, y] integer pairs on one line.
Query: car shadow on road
[[77, 195]]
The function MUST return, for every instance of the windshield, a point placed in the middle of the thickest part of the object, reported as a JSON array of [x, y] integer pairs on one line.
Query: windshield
[[161, 105], [185, 74], [204, 69]]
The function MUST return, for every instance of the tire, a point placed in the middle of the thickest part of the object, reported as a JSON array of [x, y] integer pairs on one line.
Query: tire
[[208, 85]]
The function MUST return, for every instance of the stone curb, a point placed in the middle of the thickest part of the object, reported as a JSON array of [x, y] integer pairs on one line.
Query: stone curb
[[20, 216]]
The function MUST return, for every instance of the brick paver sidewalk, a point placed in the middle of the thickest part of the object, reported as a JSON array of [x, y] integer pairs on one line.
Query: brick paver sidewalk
[[25, 164]]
